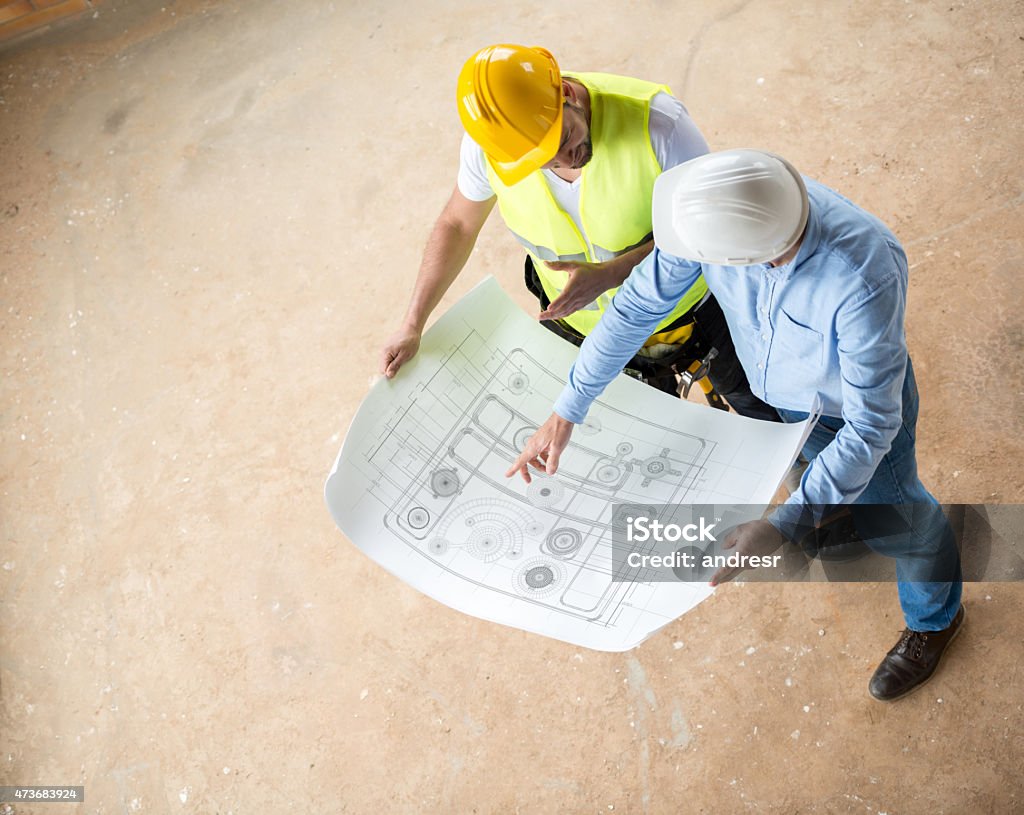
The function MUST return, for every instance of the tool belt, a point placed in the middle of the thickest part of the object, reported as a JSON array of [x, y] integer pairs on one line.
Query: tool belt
[[672, 367]]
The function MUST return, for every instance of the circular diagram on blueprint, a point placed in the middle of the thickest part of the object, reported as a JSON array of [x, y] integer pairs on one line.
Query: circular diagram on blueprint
[[486, 529], [539, 577]]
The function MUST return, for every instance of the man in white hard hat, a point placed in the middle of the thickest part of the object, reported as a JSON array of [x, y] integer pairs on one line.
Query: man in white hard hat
[[571, 160], [814, 291]]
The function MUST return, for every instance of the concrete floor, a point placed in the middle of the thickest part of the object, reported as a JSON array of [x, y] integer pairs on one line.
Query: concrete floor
[[210, 216]]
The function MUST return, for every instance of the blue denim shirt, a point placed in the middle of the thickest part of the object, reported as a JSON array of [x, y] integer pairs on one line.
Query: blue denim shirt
[[830, 323]]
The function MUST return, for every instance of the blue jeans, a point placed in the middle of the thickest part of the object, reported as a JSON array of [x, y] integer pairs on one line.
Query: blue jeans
[[927, 545]]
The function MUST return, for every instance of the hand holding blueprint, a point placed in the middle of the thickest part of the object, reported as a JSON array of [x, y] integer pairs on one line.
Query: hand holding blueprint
[[419, 484]]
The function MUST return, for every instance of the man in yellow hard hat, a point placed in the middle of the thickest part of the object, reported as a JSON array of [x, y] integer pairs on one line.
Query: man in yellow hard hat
[[571, 162]]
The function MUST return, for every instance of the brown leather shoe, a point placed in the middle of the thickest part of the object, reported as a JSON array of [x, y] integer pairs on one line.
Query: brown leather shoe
[[912, 661]]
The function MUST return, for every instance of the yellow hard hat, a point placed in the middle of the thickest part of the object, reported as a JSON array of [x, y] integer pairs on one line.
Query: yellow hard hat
[[510, 102]]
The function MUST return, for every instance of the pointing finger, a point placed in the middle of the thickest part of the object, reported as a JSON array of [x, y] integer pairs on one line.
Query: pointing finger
[[516, 467]]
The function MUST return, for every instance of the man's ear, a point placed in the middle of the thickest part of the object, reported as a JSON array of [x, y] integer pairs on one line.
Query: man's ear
[[568, 91]]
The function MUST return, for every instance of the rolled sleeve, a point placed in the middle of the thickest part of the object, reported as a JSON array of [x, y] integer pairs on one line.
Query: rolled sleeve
[[649, 294]]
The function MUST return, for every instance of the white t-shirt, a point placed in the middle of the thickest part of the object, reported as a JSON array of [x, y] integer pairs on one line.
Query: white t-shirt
[[674, 137]]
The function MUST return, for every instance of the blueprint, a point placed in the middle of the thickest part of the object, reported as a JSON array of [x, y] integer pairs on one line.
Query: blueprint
[[419, 484]]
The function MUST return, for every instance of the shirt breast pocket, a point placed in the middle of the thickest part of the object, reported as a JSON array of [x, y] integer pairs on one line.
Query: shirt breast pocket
[[800, 341]]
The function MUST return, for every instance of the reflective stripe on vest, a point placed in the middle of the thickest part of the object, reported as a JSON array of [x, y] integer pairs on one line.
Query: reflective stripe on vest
[[616, 188]]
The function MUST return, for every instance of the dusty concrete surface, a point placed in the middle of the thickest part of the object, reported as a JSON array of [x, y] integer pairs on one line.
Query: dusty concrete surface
[[210, 216]]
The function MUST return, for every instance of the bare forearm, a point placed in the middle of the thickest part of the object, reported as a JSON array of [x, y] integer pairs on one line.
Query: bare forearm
[[445, 255], [448, 248]]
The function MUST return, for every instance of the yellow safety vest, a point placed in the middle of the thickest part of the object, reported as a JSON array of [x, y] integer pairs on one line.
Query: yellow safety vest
[[616, 188]]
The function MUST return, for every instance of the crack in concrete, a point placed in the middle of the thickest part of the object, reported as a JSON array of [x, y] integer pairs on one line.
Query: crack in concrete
[[697, 41], [1013, 202]]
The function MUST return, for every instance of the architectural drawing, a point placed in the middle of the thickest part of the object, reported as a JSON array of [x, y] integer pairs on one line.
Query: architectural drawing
[[419, 484]]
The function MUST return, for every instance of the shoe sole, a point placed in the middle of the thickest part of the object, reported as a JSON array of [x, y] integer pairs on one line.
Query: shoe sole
[[930, 676]]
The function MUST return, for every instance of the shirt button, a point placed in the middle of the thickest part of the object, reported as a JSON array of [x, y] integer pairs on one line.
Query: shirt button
[[760, 367], [764, 336]]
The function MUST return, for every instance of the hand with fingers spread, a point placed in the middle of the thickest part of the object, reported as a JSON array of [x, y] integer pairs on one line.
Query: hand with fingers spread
[[544, 448], [752, 538], [586, 282], [399, 349]]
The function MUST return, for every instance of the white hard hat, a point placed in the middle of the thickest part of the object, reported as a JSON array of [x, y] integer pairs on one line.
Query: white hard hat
[[733, 208]]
